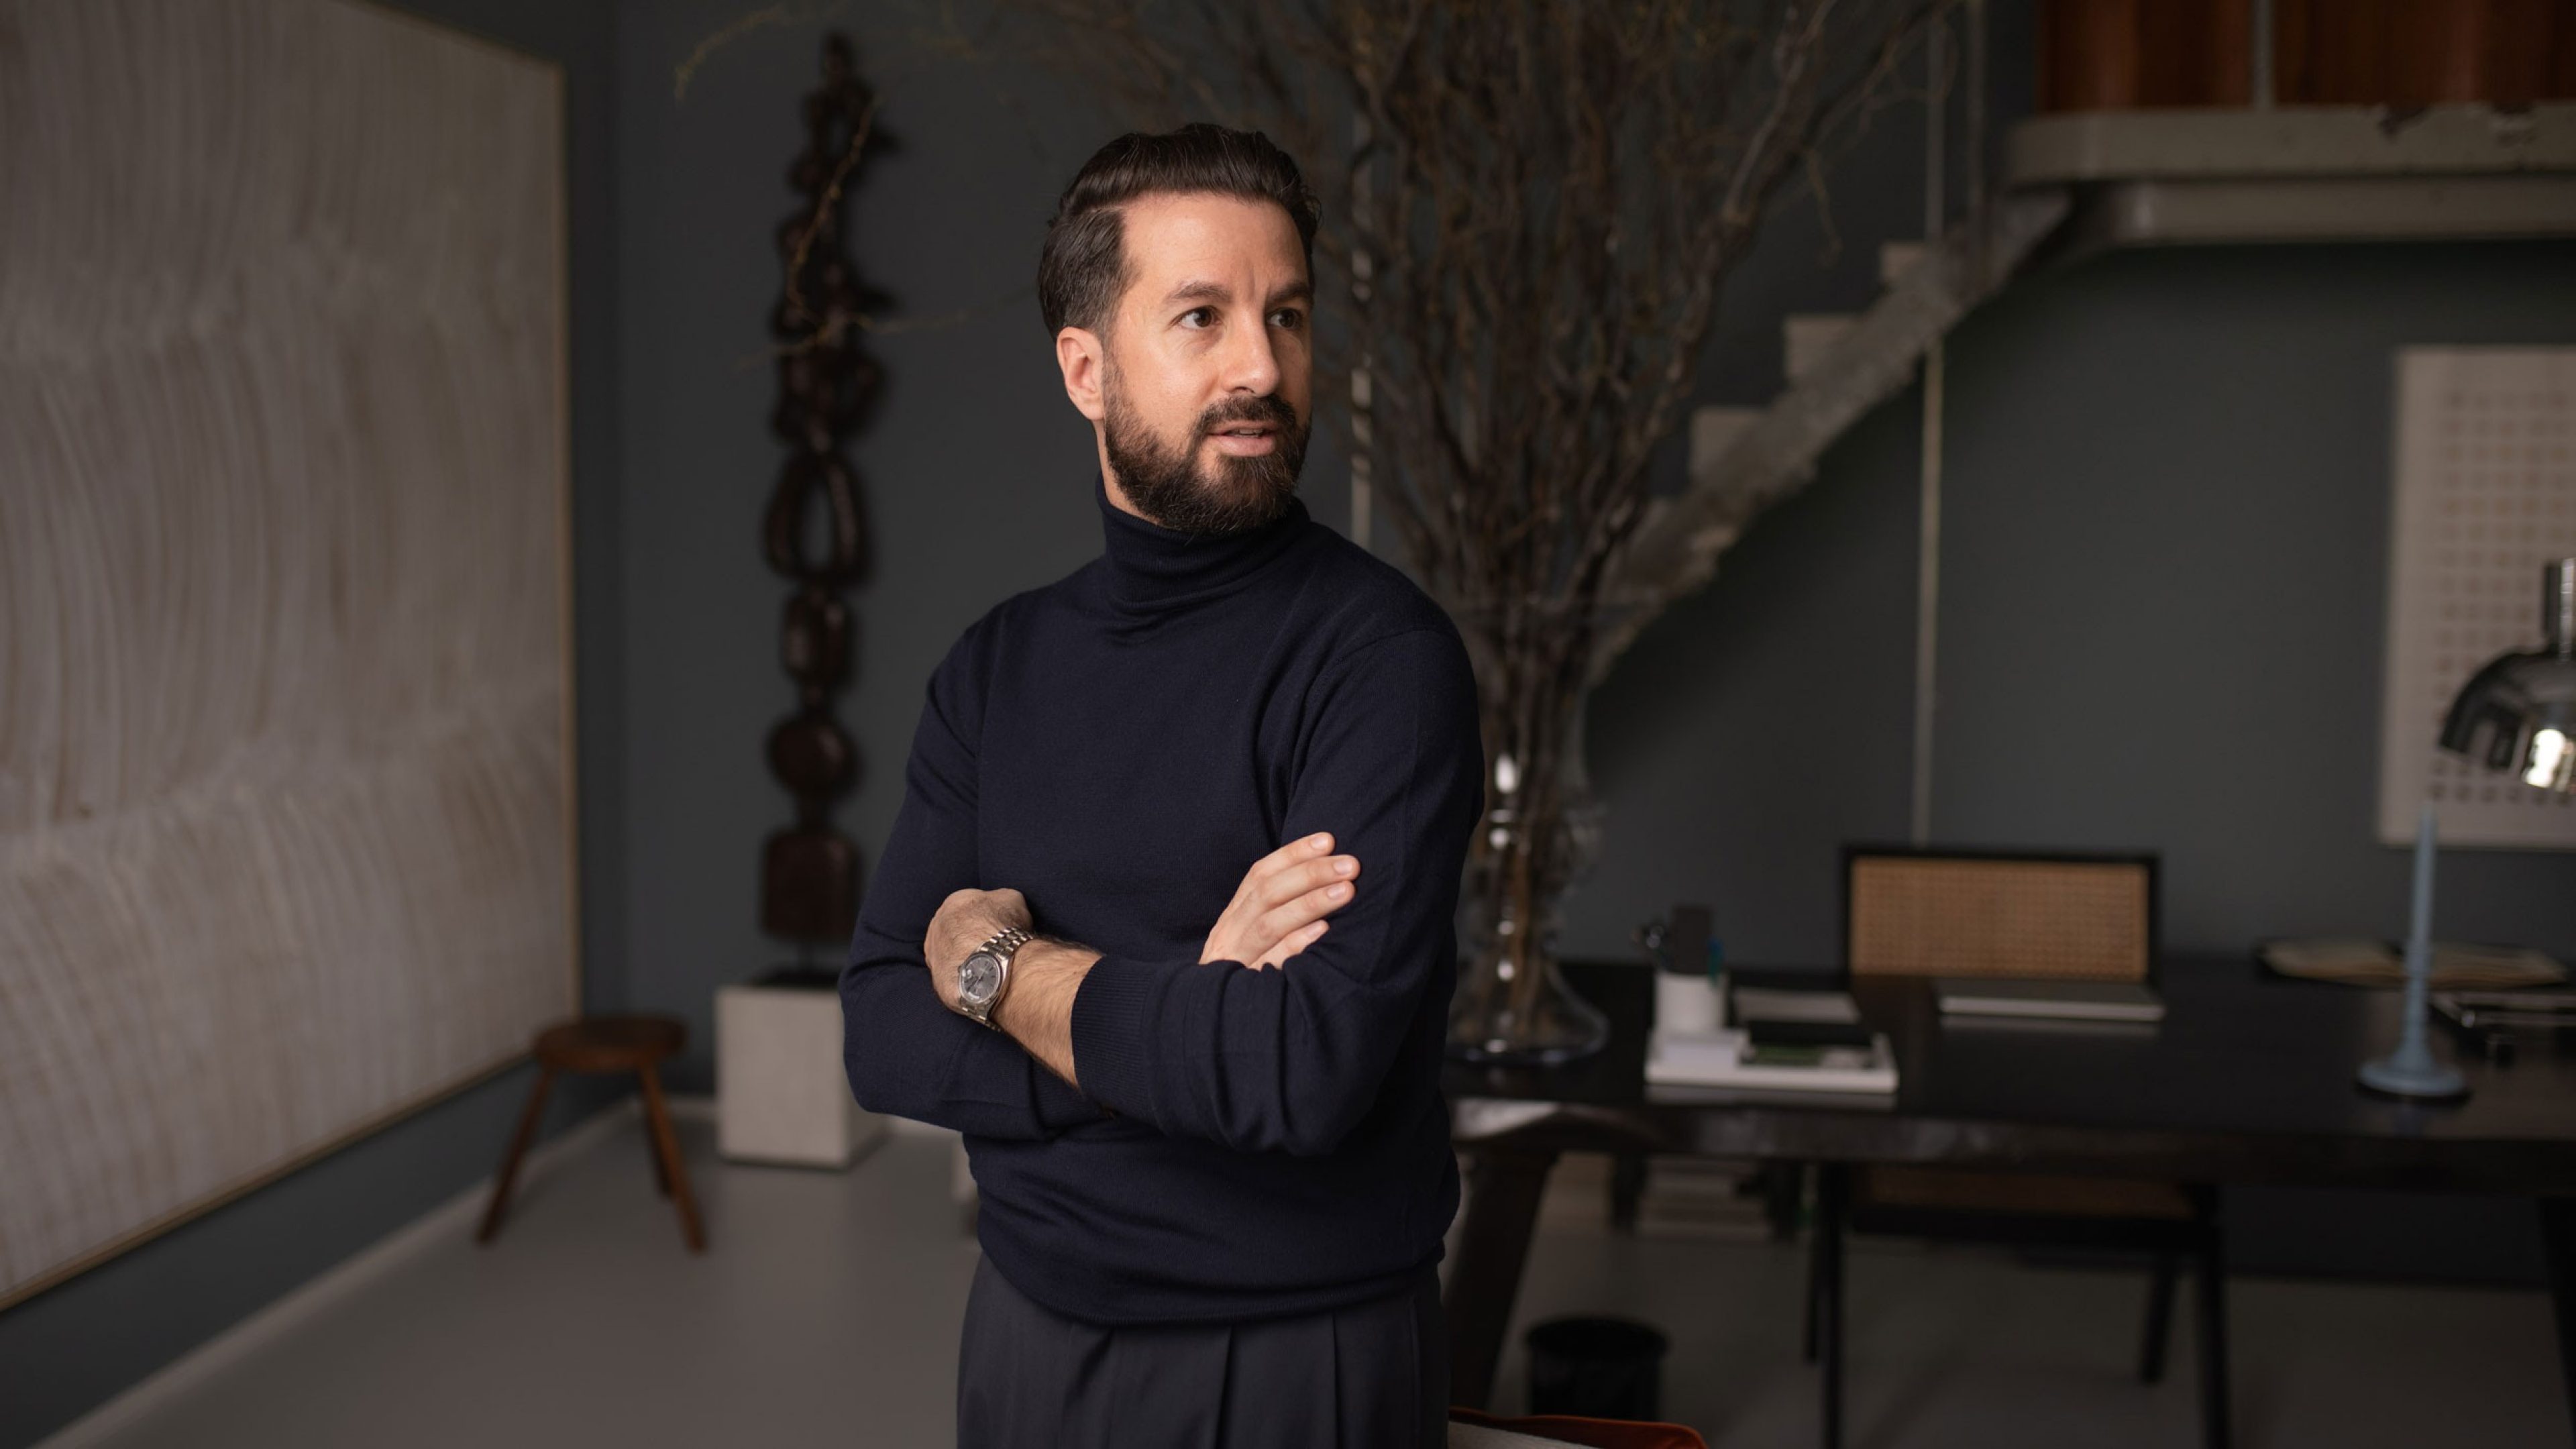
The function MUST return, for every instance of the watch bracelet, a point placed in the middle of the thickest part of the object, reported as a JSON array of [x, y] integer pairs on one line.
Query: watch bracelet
[[1003, 944]]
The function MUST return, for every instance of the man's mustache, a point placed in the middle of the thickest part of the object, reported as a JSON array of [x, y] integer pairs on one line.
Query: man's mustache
[[1264, 409]]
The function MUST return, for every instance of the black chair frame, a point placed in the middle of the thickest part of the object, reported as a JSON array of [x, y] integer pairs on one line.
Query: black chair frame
[[2169, 1243]]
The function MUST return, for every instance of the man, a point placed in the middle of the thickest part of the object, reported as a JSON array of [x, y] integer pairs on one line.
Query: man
[[1201, 1094]]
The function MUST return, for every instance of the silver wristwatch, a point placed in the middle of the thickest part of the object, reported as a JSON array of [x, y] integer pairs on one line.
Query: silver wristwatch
[[986, 974]]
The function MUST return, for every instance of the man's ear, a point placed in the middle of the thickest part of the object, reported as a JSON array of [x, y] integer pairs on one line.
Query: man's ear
[[1082, 355]]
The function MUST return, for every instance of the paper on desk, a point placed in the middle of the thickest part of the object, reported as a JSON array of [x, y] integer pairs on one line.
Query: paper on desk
[[1761, 1003], [2360, 962], [1474, 1118], [1719, 1059]]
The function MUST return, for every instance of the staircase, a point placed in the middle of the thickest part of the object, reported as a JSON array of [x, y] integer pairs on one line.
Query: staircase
[[1838, 366], [2077, 184]]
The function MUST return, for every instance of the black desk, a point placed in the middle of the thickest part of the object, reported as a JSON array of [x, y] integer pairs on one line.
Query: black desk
[[2248, 1079]]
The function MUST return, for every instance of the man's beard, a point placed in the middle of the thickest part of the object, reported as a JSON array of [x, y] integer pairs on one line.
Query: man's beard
[[1235, 494]]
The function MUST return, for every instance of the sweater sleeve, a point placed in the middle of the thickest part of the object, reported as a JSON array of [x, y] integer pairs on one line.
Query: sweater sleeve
[[906, 1054], [1291, 1057]]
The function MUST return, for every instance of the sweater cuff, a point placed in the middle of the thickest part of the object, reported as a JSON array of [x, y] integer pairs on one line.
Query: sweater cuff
[[1059, 1106], [1114, 1011]]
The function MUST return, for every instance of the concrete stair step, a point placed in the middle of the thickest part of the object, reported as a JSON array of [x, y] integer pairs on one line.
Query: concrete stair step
[[1806, 337], [1713, 430], [1895, 259]]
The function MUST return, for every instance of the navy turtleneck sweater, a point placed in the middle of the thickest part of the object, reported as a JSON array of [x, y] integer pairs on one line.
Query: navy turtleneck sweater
[[1120, 746]]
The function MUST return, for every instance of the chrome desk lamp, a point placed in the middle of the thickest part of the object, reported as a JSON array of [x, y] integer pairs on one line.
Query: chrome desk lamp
[[2524, 704]]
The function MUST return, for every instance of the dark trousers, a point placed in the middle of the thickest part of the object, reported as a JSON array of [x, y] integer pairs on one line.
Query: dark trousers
[[1371, 1376]]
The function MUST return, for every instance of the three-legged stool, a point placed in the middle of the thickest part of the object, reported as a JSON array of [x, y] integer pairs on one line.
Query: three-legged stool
[[608, 1044]]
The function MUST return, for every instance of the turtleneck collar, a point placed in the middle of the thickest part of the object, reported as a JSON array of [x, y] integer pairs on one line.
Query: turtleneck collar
[[1151, 566]]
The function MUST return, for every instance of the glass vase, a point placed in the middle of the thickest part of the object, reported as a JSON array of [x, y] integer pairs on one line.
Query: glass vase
[[1512, 1006]]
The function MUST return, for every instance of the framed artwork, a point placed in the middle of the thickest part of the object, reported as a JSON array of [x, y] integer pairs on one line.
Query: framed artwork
[[286, 765]]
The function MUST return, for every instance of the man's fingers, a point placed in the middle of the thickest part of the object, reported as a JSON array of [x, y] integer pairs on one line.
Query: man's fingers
[[1005, 901], [1305, 847], [1294, 853], [1314, 905], [1273, 901], [1296, 941], [1283, 886]]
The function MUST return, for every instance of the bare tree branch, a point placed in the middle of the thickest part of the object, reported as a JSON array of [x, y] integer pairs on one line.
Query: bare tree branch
[[1547, 196]]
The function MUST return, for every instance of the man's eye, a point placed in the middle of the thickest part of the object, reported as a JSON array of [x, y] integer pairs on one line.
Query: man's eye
[[1206, 317], [1288, 317]]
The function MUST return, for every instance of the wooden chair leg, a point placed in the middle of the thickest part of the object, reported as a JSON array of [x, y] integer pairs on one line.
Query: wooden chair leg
[[1797, 1174], [666, 1144], [2211, 1259], [1833, 1202], [1627, 1190], [1815, 1291], [1503, 1192], [519, 1141], [1784, 1188], [653, 1151], [2160, 1297], [2558, 1244]]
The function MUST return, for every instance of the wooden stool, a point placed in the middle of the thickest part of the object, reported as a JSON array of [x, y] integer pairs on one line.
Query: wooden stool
[[608, 1044]]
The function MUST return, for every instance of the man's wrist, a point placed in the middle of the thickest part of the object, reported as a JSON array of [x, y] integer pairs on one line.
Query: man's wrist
[[1043, 968], [1037, 1010]]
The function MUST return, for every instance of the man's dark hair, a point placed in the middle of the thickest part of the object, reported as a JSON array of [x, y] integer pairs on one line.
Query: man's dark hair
[[1083, 269]]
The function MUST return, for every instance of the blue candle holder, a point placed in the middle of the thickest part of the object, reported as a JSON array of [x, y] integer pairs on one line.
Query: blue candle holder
[[2411, 1070]]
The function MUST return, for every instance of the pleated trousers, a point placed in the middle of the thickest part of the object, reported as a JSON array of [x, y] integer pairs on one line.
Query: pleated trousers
[[1371, 1376]]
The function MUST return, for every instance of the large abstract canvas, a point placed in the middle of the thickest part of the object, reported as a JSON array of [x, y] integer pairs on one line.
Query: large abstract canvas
[[285, 807]]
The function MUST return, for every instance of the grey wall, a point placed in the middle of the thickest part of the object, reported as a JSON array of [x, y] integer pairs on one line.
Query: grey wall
[[2163, 573], [72, 1347], [2169, 577], [2164, 563]]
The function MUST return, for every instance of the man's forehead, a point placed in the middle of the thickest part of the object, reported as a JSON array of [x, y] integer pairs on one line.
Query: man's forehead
[[1171, 240]]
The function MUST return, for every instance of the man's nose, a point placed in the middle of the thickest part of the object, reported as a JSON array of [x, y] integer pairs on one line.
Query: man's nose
[[1251, 364]]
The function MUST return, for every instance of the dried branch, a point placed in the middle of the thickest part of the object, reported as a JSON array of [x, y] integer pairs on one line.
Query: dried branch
[[687, 69], [1540, 201], [827, 206]]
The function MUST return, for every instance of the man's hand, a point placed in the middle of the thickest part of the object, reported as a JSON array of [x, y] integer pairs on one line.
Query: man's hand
[[966, 920], [1277, 912], [1279, 909]]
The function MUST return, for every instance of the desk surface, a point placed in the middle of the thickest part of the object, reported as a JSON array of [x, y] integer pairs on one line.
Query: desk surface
[[2248, 1078]]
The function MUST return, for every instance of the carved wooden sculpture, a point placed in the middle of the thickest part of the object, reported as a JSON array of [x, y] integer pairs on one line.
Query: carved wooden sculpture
[[813, 532]]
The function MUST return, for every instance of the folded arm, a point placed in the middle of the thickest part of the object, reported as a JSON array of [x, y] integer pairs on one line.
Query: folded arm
[[1277, 911], [1292, 1058], [905, 1052]]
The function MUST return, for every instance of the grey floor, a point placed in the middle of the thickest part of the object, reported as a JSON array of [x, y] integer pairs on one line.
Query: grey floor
[[827, 1313]]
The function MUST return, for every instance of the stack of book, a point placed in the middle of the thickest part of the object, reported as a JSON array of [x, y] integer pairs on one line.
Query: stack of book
[[1782, 1041], [2500, 1022]]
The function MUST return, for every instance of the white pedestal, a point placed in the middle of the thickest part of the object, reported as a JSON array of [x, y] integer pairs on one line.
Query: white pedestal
[[782, 1095]]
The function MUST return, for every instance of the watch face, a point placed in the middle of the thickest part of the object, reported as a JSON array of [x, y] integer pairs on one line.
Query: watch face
[[979, 977]]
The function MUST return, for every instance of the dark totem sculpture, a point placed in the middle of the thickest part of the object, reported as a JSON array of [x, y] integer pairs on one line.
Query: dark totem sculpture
[[813, 532]]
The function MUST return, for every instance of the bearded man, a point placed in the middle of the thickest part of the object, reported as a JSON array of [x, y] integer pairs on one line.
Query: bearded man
[[1121, 937]]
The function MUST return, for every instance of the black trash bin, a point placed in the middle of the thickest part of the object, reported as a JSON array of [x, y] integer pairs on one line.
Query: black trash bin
[[1600, 1368]]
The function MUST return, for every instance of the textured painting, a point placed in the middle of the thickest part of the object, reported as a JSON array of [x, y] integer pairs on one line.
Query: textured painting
[[285, 808]]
